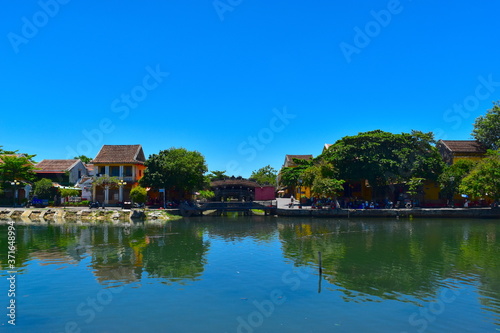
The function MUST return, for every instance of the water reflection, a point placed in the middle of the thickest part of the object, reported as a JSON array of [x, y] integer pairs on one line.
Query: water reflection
[[403, 260], [117, 254], [363, 261]]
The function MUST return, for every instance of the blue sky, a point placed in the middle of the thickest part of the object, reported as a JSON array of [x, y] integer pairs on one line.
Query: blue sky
[[242, 82]]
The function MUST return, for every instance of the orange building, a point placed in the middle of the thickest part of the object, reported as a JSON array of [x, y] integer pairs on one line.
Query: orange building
[[126, 162]]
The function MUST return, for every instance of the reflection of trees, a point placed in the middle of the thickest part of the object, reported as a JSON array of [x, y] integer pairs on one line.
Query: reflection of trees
[[118, 253], [261, 228], [390, 259], [174, 254]]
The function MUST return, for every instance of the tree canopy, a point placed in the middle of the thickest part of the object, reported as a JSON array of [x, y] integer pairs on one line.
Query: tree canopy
[[43, 188], [83, 158], [265, 175], [383, 158], [484, 179], [487, 127], [14, 167], [176, 169], [217, 175], [452, 176]]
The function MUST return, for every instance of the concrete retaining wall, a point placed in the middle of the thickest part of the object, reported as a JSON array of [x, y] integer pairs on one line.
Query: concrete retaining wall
[[493, 213]]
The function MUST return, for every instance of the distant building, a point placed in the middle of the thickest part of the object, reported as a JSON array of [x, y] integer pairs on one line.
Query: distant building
[[62, 172], [241, 189], [453, 150], [126, 162]]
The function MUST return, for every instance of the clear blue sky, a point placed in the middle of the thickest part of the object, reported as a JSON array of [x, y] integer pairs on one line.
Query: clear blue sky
[[248, 81]]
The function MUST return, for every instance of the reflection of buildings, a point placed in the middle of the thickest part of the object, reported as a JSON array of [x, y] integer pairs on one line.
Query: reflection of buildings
[[53, 257]]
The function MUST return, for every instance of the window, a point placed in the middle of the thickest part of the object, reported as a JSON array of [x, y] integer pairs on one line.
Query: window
[[127, 171], [114, 171], [102, 170]]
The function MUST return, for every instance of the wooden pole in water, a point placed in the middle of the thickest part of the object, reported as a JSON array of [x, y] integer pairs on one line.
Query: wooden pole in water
[[320, 264], [320, 272]]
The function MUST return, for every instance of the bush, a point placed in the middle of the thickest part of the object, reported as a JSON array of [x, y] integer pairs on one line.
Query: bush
[[138, 194]]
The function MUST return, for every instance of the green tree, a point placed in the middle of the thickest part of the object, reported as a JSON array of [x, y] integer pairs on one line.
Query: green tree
[[487, 128], [385, 158], [415, 186], [43, 189], [83, 158], [265, 175], [324, 187], [452, 175], [138, 194], [14, 167], [176, 169], [291, 176], [69, 192], [7, 152], [484, 179], [105, 180], [206, 194], [217, 175]]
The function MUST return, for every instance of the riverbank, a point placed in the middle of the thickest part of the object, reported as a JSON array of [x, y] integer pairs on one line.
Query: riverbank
[[115, 214], [489, 213], [75, 214]]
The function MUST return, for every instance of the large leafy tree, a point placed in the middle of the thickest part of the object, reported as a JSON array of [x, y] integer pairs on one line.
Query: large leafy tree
[[175, 169], [265, 175], [16, 167], [291, 176], [487, 127], [452, 176], [384, 158], [484, 179]]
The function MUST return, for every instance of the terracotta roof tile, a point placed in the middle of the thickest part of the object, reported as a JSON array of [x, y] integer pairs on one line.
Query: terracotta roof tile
[[55, 165], [464, 146], [120, 154]]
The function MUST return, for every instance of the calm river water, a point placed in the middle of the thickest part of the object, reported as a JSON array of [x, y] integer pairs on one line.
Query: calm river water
[[255, 274]]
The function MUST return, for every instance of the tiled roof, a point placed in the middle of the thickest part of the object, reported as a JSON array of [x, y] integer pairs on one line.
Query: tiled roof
[[234, 182], [464, 146], [55, 165], [120, 154]]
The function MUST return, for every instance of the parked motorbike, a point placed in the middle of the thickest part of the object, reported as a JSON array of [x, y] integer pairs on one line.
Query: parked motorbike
[[94, 204]]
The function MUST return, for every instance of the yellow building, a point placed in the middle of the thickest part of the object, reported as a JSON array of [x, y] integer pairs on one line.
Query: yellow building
[[126, 162], [453, 150], [299, 190]]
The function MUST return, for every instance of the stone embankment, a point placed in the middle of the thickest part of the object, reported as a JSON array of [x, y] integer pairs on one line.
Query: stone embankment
[[492, 213], [69, 214]]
